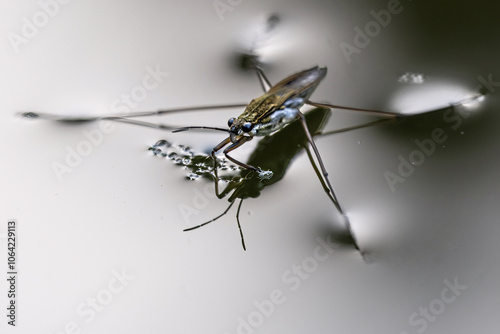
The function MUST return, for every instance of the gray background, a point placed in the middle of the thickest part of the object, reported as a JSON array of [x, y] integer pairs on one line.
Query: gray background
[[120, 208]]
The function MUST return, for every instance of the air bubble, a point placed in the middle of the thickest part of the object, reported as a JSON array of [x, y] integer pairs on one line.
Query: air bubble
[[162, 142], [30, 114], [154, 150], [265, 174]]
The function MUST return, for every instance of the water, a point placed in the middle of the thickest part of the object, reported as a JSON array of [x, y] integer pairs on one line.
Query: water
[[121, 208]]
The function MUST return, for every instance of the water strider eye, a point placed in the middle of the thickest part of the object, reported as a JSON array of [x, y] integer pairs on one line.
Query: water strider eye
[[247, 127], [231, 121]]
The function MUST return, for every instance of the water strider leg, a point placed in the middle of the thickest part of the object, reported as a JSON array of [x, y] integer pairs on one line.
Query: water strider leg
[[328, 192], [355, 127], [228, 149], [478, 97], [316, 152], [214, 158], [234, 146], [264, 81], [30, 114], [329, 188], [208, 222], [334, 199], [239, 225], [222, 214], [370, 111]]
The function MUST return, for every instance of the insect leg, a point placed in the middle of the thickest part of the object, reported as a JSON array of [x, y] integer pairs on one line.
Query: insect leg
[[331, 195], [476, 98], [264, 81], [329, 188], [370, 111], [316, 152], [208, 222], [30, 114], [239, 226], [355, 127], [334, 199], [234, 146], [214, 158]]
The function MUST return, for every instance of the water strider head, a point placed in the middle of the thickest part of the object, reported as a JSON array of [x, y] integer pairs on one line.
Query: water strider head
[[239, 126], [277, 107]]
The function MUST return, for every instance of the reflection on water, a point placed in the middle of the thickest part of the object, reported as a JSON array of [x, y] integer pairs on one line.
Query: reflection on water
[[273, 153], [413, 78]]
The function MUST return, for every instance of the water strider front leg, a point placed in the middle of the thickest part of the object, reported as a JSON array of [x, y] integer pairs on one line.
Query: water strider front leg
[[242, 140], [214, 158]]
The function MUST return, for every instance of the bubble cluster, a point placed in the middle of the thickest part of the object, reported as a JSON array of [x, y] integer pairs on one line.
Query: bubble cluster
[[199, 165]]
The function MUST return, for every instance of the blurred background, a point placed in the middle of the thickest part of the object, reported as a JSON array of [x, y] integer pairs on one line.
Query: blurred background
[[100, 219]]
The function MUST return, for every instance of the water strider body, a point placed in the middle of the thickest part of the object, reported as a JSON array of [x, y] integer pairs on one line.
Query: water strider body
[[277, 107]]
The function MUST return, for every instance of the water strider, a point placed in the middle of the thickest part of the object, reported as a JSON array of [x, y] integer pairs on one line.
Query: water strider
[[277, 111]]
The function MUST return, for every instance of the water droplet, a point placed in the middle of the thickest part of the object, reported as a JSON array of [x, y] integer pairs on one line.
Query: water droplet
[[462, 132], [154, 150], [30, 114], [265, 174], [172, 155], [161, 143]]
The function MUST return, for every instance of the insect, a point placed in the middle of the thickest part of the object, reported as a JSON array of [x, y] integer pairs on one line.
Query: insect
[[277, 109]]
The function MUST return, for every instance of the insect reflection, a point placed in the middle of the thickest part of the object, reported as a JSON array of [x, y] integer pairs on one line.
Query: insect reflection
[[274, 152]]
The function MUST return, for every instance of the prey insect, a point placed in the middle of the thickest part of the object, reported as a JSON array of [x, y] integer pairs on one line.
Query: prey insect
[[273, 112]]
